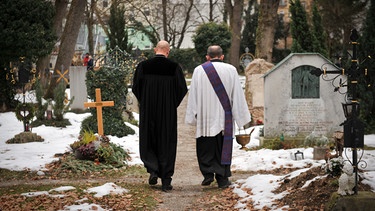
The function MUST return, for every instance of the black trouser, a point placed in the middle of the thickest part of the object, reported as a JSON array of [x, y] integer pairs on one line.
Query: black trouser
[[209, 158]]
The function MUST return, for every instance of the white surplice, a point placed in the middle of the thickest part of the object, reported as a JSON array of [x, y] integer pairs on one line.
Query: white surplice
[[204, 108]]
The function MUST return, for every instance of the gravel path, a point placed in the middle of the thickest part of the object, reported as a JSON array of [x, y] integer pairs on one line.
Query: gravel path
[[187, 177]]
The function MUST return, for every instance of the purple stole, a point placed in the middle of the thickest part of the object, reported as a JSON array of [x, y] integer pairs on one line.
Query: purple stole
[[226, 153]]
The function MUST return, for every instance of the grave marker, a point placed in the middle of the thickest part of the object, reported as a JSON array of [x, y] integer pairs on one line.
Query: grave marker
[[99, 104], [78, 89], [62, 76], [296, 104]]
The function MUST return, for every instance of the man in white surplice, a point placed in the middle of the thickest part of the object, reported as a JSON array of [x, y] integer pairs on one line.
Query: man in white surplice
[[206, 112]]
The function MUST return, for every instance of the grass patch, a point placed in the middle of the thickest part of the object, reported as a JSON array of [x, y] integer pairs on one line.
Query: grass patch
[[51, 122], [139, 197], [70, 168], [368, 148], [7, 175], [24, 188]]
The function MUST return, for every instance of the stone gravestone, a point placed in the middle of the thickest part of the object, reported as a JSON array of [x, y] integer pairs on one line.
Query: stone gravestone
[[132, 104], [298, 103], [77, 81], [254, 90]]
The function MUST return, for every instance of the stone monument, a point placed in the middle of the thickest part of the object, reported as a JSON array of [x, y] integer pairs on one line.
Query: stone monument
[[254, 90], [78, 90], [298, 103]]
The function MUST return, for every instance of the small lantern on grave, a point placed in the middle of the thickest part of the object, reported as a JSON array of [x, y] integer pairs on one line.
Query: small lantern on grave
[[353, 127], [27, 126], [49, 110], [23, 72]]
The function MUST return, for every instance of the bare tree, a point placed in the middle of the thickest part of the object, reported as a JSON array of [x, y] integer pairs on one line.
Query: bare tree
[[165, 29], [235, 12], [215, 11], [266, 29], [211, 11], [168, 20], [101, 16], [143, 19], [178, 25], [68, 42]]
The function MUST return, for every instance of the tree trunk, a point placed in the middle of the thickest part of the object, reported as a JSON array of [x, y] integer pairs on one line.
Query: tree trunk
[[266, 29], [90, 27], [185, 26], [165, 29], [42, 64], [235, 19], [211, 16], [67, 43]]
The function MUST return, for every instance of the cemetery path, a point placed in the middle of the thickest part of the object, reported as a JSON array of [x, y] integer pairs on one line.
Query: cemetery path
[[187, 177], [187, 193]]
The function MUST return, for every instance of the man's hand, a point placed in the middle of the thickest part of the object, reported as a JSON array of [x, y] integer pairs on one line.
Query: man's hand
[[247, 125]]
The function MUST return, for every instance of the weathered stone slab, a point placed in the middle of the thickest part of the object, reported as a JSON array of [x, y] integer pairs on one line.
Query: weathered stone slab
[[254, 90], [78, 90]]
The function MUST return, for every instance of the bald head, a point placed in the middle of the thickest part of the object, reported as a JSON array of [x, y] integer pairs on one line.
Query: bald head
[[162, 48], [214, 52]]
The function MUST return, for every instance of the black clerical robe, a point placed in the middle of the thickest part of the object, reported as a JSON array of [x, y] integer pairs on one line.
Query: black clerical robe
[[159, 86]]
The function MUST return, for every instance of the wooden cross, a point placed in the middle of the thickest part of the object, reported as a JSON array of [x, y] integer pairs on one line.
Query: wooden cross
[[62, 76], [99, 104]]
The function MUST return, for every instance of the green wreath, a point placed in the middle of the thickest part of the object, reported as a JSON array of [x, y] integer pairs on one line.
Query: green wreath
[[29, 107]]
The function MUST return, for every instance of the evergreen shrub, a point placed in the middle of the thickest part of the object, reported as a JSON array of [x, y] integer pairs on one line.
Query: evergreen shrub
[[187, 58], [112, 83], [41, 108]]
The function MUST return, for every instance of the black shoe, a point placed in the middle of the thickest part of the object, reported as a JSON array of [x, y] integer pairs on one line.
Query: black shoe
[[207, 181], [225, 185], [153, 180], [166, 188]]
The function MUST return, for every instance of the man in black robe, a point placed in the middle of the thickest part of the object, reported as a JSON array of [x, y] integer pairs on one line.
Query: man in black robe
[[159, 86]]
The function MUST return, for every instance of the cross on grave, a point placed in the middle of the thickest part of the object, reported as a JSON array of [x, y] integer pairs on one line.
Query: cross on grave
[[99, 104], [62, 76]]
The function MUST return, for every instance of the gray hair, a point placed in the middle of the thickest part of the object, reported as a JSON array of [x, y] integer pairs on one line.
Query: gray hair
[[214, 51]]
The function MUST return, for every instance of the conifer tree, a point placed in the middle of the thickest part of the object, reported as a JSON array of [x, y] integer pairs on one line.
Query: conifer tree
[[25, 31], [118, 34], [339, 18], [302, 38], [319, 35], [251, 24], [366, 86]]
